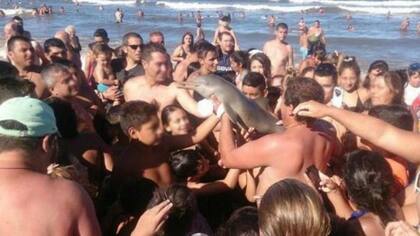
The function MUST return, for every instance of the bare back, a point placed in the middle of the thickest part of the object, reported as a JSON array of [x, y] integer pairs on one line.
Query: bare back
[[304, 148], [35, 204], [147, 162]]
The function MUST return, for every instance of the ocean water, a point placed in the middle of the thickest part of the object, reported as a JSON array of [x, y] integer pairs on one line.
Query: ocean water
[[375, 37]]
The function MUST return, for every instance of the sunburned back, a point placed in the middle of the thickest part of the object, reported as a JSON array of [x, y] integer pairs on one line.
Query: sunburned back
[[304, 148], [35, 204], [137, 89]]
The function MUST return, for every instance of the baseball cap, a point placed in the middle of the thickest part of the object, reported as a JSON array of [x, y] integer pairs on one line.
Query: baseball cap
[[36, 115], [100, 33], [413, 68]]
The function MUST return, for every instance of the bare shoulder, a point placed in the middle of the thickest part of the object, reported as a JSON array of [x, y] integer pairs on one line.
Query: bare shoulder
[[69, 189], [363, 93], [371, 225], [138, 80]]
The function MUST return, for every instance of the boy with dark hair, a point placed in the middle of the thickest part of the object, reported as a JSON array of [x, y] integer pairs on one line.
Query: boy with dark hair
[[326, 75], [148, 151], [254, 86]]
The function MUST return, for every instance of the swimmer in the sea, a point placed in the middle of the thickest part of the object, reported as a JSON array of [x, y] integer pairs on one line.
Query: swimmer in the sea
[[405, 24], [271, 21], [119, 15]]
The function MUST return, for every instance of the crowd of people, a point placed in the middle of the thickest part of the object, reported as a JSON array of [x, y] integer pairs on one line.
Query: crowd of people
[[119, 145]]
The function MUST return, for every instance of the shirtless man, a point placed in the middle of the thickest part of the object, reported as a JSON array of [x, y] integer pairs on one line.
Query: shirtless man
[[153, 88], [405, 24], [20, 54], [60, 207], [316, 37], [279, 51], [62, 84], [73, 57], [287, 154], [54, 49]]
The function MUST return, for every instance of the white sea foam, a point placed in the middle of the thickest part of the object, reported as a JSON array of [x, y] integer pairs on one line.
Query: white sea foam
[[18, 11], [218, 6], [108, 2], [362, 3], [405, 7], [382, 10]]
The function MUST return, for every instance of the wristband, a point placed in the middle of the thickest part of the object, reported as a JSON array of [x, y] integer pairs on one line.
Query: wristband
[[220, 111], [205, 107]]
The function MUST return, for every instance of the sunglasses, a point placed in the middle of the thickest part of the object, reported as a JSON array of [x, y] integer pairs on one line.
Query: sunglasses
[[134, 47]]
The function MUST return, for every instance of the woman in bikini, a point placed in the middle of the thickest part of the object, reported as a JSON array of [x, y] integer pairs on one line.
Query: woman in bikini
[[354, 95]]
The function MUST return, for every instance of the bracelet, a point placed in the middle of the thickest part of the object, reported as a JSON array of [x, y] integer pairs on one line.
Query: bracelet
[[220, 111]]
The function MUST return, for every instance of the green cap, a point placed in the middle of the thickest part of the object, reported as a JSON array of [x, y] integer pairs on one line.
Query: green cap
[[36, 115]]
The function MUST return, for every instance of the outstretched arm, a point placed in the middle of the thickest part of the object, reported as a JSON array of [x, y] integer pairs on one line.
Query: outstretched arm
[[220, 186], [397, 141], [198, 135], [186, 101], [253, 154]]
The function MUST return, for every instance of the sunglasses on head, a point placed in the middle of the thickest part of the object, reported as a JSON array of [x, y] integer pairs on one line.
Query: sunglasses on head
[[134, 47]]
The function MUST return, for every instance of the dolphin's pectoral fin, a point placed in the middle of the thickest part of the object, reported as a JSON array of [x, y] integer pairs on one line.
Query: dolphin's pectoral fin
[[234, 117]]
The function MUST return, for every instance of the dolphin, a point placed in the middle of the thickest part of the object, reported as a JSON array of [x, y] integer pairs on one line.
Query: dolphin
[[241, 110]]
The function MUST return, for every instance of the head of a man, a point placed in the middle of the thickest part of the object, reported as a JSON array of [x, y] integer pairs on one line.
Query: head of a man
[[101, 36], [10, 30], [254, 86], [28, 127], [132, 46], [54, 48], [60, 82], [11, 87], [63, 36], [281, 31], [326, 76], [227, 43], [20, 52], [157, 38], [207, 56], [155, 62], [299, 90], [139, 121]]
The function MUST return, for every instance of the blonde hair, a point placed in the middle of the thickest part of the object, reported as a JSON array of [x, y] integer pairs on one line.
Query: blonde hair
[[291, 208], [70, 28]]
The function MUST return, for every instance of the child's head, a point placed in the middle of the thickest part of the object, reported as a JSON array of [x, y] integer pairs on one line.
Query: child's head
[[103, 53], [254, 86], [242, 222], [135, 195], [139, 121], [175, 120], [184, 210], [188, 165], [414, 75]]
